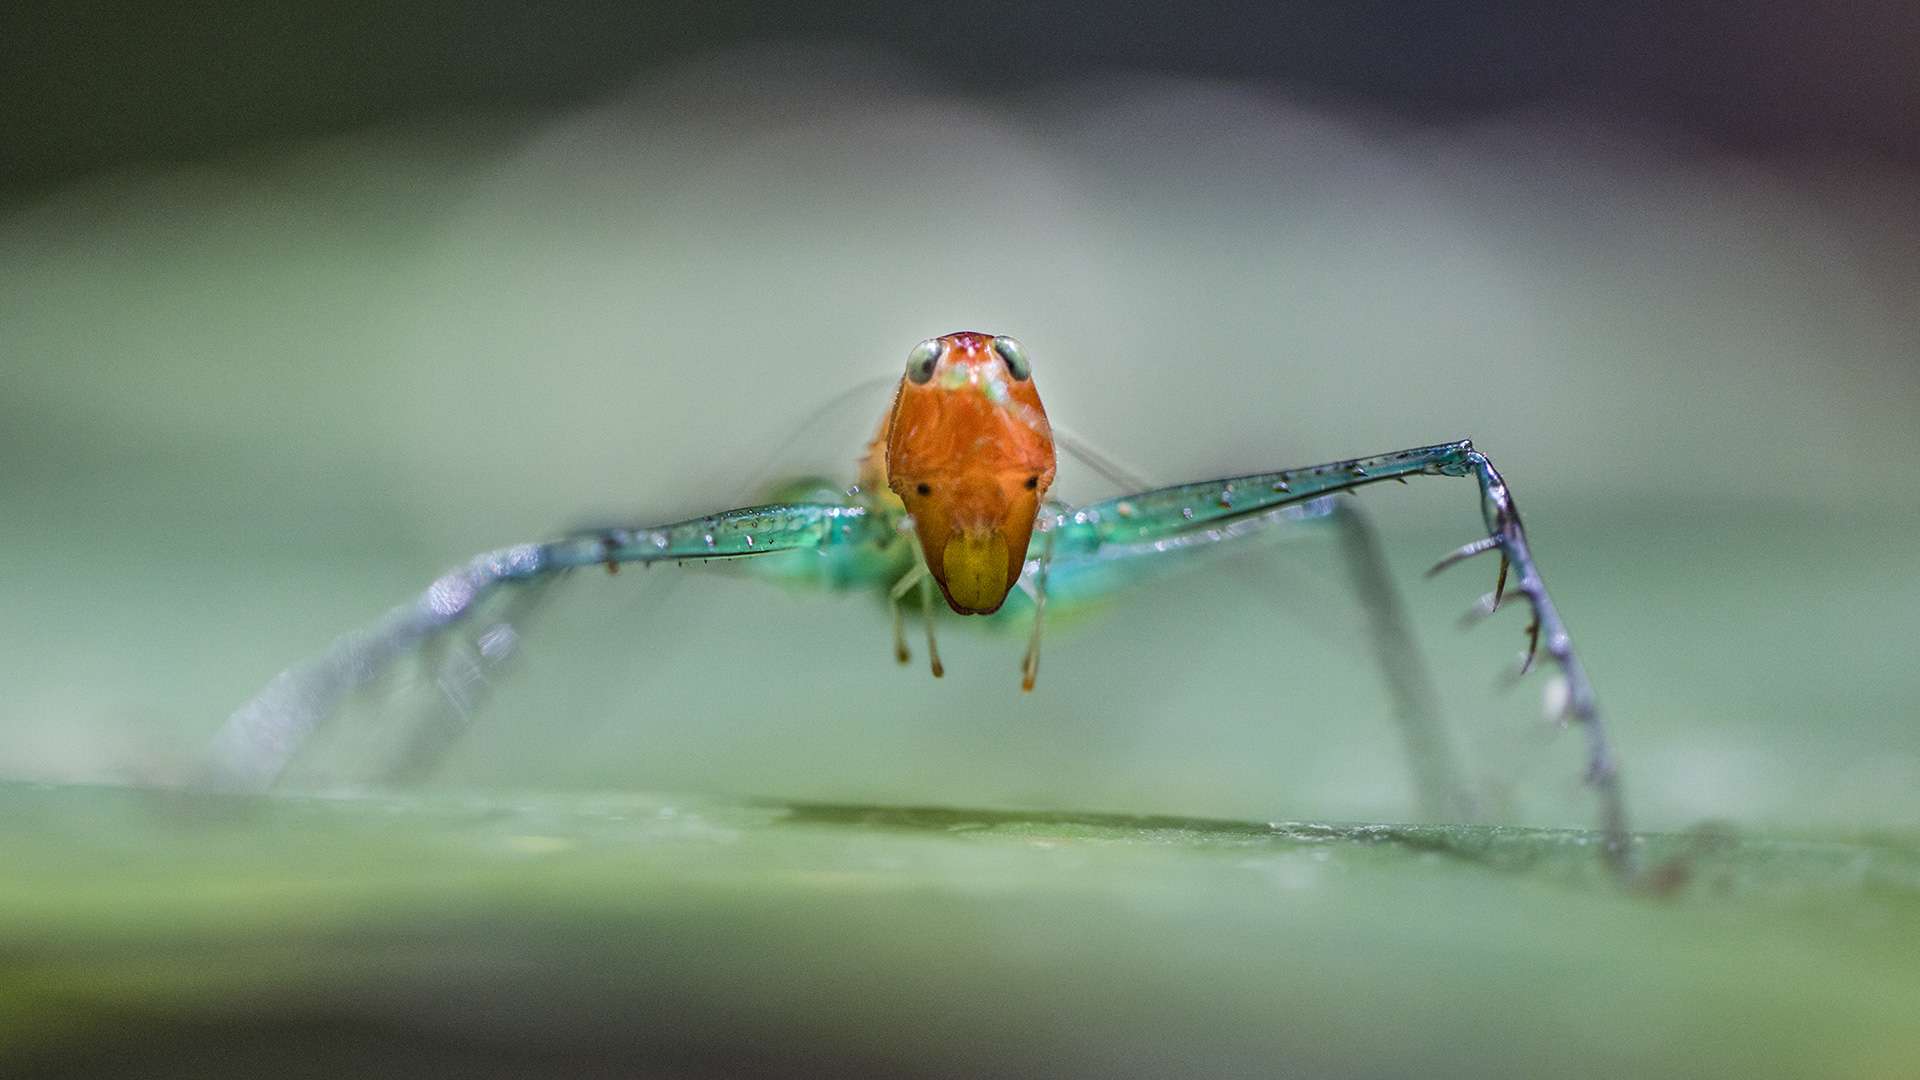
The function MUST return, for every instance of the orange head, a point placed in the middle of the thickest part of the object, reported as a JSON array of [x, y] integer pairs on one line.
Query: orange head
[[969, 450]]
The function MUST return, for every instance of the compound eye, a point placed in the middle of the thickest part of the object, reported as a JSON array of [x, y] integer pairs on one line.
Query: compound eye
[[1015, 356], [921, 361]]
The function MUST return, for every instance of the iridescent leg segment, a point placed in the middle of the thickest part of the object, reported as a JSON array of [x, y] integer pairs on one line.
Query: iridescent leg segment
[[1166, 519], [1440, 786], [263, 736]]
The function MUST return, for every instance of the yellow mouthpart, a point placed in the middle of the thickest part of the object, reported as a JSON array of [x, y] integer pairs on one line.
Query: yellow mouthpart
[[975, 566]]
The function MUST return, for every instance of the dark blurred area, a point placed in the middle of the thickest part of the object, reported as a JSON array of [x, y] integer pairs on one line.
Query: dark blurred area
[[93, 85]]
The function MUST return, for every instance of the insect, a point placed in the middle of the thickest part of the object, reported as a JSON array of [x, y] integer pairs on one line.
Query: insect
[[952, 498]]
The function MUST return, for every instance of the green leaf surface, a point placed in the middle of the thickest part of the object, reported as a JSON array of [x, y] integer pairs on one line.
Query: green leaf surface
[[160, 933]]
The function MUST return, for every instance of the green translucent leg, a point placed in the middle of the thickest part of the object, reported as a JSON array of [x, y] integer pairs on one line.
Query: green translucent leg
[[1440, 788], [262, 737], [1171, 518]]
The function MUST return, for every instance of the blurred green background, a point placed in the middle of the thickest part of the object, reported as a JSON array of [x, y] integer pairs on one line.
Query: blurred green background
[[296, 312]]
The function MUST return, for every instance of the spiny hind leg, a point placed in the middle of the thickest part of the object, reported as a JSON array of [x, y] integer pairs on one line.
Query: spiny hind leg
[[1439, 788], [263, 736], [1169, 518]]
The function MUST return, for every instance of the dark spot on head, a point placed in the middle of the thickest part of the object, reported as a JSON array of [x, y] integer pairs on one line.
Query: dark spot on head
[[1032, 482], [923, 488]]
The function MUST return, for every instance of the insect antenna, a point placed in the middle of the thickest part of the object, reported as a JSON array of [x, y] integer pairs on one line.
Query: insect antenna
[[1118, 474], [782, 456]]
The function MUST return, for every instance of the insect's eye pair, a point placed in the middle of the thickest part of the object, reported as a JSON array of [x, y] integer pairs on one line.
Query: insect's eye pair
[[926, 356]]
